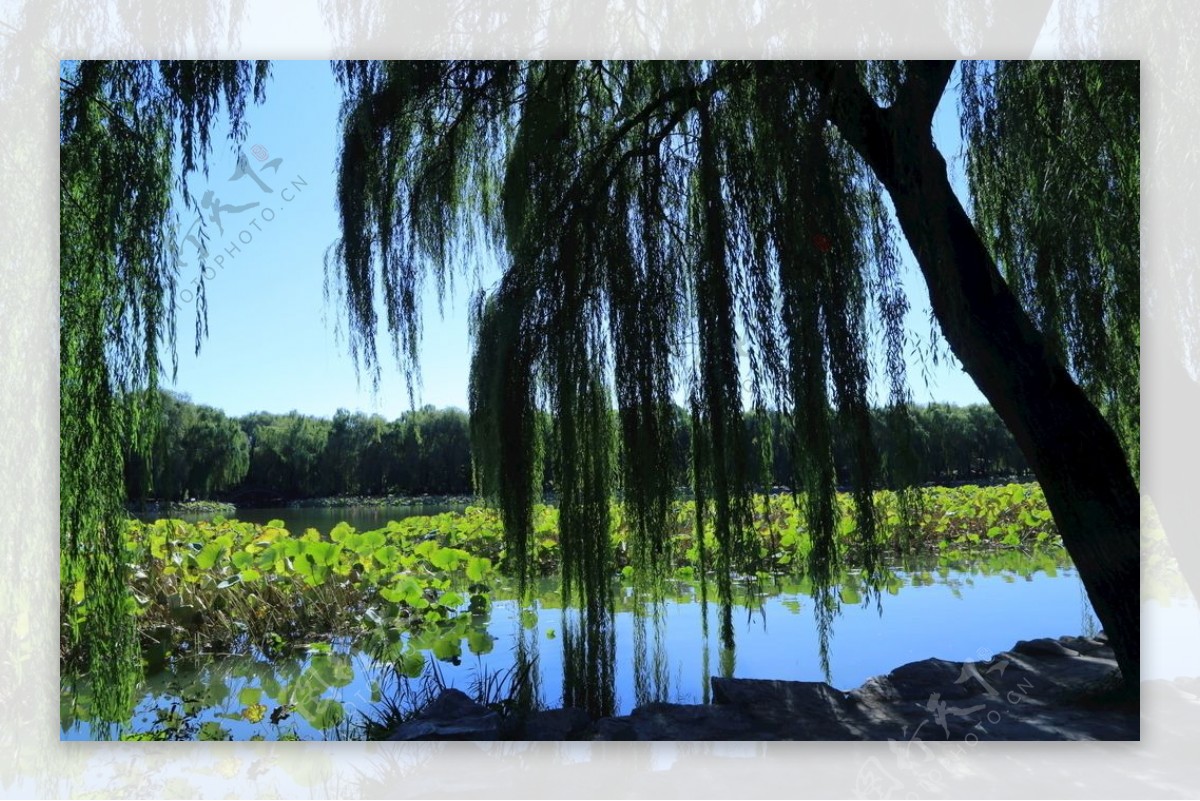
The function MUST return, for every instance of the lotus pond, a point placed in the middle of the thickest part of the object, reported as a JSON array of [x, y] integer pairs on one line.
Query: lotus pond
[[262, 631]]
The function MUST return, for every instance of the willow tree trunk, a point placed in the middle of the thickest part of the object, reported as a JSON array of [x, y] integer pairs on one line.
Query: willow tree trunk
[[1071, 448]]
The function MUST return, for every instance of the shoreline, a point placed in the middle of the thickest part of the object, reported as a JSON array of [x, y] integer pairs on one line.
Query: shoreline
[[334, 502], [1045, 689]]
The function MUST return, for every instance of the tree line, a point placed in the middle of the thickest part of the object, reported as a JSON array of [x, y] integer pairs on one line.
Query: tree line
[[941, 443], [200, 452]]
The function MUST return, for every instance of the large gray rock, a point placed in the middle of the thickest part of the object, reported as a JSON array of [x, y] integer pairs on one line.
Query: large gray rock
[[1041, 690], [620, 728], [1044, 647], [916, 680], [554, 724], [661, 721], [792, 710], [452, 716]]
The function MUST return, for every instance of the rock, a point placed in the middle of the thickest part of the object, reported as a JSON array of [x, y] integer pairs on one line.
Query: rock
[[796, 710], [611, 729], [661, 721], [916, 680], [1044, 647], [452, 716], [1040, 690], [1083, 645], [555, 724]]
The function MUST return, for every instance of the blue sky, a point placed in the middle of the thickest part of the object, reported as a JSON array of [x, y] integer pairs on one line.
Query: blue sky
[[272, 344]]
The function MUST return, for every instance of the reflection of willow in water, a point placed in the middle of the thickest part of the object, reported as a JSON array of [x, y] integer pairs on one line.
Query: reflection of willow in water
[[589, 645], [527, 691], [651, 680], [589, 657], [825, 609], [400, 672]]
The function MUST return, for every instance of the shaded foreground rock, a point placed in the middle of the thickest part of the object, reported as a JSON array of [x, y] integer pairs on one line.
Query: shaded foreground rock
[[452, 716], [1042, 689], [552, 724]]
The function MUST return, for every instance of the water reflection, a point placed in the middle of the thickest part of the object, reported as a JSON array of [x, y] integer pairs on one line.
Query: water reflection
[[651, 680], [644, 650], [589, 650], [241, 697]]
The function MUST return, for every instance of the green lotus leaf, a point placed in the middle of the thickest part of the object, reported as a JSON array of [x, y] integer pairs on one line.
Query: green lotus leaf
[[332, 670], [447, 648], [480, 642], [208, 555], [478, 567], [387, 556], [450, 599], [321, 713], [411, 664]]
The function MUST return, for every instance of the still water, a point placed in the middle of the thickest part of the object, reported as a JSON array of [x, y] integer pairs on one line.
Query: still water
[[967, 611]]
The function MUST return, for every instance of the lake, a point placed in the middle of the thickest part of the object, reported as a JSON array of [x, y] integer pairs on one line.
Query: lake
[[966, 611]]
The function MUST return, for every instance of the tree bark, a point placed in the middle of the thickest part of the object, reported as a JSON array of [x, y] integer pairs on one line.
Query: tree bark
[[1070, 447]]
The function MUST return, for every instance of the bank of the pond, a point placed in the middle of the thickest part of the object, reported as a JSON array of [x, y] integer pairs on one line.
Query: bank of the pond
[[165, 508], [274, 500], [398, 501], [1044, 689]]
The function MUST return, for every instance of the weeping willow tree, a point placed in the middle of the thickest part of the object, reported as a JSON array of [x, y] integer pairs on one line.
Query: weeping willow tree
[[1053, 167], [652, 219], [118, 268]]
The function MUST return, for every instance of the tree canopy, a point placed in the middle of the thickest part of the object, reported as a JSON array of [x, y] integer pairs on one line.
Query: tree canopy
[[198, 451], [652, 217]]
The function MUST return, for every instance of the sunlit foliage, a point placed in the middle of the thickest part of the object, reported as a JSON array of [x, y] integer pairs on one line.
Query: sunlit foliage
[[118, 269]]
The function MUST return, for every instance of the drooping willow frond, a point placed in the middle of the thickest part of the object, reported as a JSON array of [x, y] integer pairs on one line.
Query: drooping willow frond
[[654, 220], [118, 270], [1053, 163]]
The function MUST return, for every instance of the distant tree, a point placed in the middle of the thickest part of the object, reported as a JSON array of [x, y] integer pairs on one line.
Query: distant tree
[[286, 453], [372, 462], [218, 451], [196, 449], [341, 455]]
